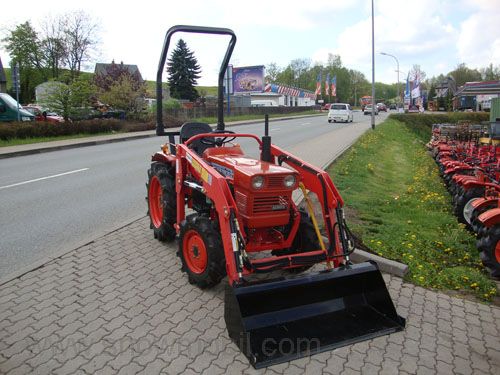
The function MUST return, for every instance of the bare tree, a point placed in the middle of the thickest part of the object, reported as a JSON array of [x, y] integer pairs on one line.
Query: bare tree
[[417, 73], [53, 44], [80, 39]]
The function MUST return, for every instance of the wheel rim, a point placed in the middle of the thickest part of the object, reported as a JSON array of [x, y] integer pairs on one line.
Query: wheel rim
[[195, 252], [156, 202], [497, 252]]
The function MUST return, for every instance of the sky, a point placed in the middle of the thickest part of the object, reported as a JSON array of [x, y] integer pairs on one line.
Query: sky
[[435, 34]]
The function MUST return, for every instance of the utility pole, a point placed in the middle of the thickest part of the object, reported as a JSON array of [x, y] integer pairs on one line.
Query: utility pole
[[16, 80], [373, 69]]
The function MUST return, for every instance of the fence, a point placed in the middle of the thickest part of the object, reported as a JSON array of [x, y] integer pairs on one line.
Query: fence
[[199, 112]]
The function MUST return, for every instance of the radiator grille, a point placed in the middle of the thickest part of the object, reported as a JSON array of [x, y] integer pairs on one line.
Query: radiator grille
[[241, 202], [275, 181], [270, 203]]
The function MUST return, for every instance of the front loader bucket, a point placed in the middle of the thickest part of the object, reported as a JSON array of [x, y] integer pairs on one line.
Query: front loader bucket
[[284, 319]]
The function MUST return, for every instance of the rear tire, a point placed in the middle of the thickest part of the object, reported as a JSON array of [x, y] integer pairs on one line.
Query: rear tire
[[490, 251], [201, 251], [305, 240], [461, 199], [162, 201]]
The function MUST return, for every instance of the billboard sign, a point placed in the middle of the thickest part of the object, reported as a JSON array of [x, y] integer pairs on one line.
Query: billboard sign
[[248, 79]]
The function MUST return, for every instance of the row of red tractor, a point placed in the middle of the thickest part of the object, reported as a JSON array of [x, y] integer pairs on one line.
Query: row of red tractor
[[468, 157]]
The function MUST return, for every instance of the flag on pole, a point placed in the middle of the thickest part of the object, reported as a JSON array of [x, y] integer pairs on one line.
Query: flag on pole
[[407, 90], [327, 84], [334, 85], [318, 84]]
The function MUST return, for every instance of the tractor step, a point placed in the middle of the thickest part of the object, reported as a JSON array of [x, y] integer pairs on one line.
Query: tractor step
[[287, 318]]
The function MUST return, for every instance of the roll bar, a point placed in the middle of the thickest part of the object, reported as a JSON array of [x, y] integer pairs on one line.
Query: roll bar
[[160, 128]]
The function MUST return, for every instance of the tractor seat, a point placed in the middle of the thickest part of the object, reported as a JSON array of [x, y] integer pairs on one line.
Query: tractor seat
[[190, 129]]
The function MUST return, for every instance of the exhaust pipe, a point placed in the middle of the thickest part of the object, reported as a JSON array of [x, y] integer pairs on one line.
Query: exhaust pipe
[[266, 141]]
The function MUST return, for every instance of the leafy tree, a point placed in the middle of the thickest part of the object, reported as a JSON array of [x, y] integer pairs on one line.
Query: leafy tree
[[463, 74], [70, 100], [299, 67], [24, 47], [491, 73], [183, 70], [123, 94], [432, 92], [59, 100], [334, 61], [286, 76], [272, 71], [359, 83]]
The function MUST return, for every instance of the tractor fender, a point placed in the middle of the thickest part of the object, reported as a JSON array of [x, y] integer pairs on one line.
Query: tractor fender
[[472, 183], [163, 158], [490, 217], [482, 202], [462, 179]]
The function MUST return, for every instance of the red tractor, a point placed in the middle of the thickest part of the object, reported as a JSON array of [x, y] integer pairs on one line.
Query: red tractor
[[243, 221]]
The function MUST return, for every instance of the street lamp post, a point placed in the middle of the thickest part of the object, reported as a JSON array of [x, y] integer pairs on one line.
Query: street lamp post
[[373, 70], [397, 62]]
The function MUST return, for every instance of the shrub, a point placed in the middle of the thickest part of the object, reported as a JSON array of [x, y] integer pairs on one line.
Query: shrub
[[421, 124], [25, 130]]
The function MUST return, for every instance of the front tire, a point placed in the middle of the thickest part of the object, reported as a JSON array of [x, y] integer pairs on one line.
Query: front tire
[[162, 201], [305, 240], [201, 251]]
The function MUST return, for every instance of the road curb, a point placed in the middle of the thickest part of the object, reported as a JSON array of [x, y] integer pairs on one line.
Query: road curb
[[385, 265], [41, 150]]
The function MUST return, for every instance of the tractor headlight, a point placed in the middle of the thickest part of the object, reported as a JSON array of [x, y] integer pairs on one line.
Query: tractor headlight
[[289, 181], [258, 182]]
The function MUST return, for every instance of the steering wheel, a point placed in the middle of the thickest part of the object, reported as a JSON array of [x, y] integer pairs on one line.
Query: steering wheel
[[218, 141]]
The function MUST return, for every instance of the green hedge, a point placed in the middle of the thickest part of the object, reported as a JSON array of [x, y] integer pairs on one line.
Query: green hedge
[[24, 130], [421, 123]]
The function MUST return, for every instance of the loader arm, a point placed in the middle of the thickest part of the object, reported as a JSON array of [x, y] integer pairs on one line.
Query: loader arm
[[319, 182]]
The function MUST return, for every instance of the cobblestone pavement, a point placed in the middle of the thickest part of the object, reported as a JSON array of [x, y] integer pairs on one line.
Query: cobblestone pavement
[[122, 305]]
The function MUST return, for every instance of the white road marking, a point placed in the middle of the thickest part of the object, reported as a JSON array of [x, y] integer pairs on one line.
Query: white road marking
[[273, 129], [43, 178], [305, 123]]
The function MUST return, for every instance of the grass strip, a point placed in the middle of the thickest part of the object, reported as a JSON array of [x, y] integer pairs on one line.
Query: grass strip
[[397, 203]]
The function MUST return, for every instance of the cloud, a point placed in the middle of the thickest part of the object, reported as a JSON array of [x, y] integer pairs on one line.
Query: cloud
[[479, 40], [410, 34], [292, 14]]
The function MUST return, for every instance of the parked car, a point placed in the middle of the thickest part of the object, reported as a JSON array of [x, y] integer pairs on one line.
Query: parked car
[[9, 108], [393, 107], [413, 109], [340, 112], [42, 114], [381, 107], [368, 110]]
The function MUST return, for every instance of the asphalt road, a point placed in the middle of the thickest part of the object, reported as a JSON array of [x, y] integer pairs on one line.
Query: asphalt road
[[57, 201]]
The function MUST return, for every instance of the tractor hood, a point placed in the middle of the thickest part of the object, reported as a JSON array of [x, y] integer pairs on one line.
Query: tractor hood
[[231, 165]]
